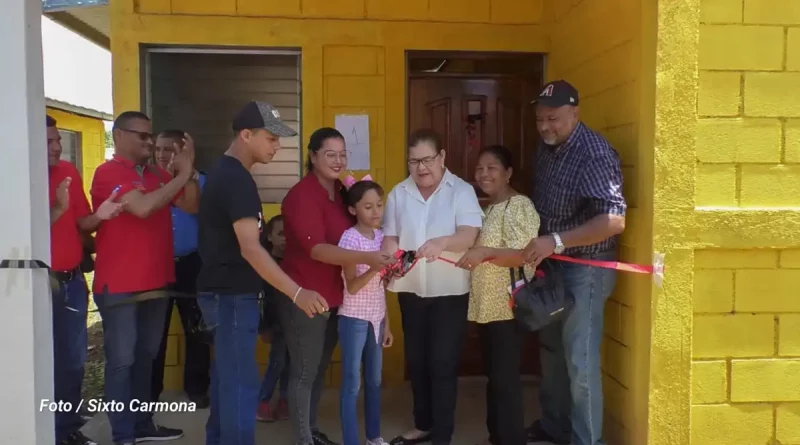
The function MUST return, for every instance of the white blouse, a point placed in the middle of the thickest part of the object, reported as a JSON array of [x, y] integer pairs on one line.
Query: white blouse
[[414, 221]]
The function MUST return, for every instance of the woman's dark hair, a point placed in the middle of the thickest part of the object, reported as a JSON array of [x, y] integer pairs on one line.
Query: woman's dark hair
[[317, 140], [174, 134], [501, 153], [426, 135], [268, 231], [357, 191]]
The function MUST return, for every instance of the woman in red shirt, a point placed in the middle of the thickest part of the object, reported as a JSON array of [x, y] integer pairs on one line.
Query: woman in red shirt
[[315, 216]]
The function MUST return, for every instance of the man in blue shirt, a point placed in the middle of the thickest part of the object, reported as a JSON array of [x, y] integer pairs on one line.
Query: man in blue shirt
[[578, 194], [187, 267]]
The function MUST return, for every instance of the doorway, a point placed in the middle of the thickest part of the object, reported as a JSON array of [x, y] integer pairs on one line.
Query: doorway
[[474, 100]]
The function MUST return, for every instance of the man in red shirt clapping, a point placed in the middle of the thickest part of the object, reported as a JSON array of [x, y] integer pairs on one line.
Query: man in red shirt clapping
[[70, 218], [135, 256]]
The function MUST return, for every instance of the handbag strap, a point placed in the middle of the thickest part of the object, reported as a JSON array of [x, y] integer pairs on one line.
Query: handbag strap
[[511, 270]]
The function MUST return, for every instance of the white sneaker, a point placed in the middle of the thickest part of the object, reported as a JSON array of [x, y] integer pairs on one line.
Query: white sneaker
[[378, 441]]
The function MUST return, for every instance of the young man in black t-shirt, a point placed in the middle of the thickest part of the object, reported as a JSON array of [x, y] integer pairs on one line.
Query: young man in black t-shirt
[[234, 262]]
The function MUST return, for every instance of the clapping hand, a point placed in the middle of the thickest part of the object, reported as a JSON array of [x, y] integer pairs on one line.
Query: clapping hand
[[62, 193], [109, 209]]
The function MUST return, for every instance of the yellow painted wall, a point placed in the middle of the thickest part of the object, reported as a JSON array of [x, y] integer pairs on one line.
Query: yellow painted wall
[[353, 60], [697, 114], [745, 381], [93, 143]]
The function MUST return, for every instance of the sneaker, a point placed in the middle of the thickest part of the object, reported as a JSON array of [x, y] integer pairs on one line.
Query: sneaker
[[283, 410], [321, 438], [159, 434], [77, 438], [378, 441], [537, 436], [264, 413]]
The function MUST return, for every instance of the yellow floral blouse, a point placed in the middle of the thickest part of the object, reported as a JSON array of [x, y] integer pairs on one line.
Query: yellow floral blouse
[[508, 224]]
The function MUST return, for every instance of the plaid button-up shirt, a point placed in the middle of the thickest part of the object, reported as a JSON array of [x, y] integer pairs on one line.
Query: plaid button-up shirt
[[575, 182]]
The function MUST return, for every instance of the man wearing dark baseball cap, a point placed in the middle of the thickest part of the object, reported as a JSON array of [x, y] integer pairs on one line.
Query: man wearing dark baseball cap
[[234, 262], [578, 193], [557, 94], [260, 115]]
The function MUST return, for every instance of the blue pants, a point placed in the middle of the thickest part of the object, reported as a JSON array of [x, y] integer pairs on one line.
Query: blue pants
[[70, 305], [131, 338], [234, 372], [277, 370], [358, 344], [571, 393]]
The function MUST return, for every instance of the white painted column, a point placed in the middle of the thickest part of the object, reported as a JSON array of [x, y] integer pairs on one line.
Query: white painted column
[[25, 330]]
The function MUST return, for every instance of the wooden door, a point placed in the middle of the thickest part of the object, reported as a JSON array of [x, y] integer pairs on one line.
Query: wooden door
[[470, 113]]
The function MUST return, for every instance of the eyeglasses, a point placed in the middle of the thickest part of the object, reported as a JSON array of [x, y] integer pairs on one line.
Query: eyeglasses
[[143, 135], [331, 156], [427, 162]]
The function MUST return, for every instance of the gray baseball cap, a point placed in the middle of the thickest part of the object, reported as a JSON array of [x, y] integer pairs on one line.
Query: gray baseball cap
[[262, 115]]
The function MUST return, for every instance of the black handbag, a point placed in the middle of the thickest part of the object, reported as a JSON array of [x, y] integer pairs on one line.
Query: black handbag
[[542, 300]]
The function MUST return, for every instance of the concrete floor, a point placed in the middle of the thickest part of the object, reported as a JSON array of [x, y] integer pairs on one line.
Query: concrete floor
[[470, 417]]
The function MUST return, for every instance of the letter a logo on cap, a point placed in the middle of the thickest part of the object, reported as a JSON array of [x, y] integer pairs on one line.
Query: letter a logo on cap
[[275, 114], [547, 91]]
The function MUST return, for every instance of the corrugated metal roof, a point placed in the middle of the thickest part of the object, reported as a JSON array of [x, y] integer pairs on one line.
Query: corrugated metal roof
[[77, 109], [60, 5]]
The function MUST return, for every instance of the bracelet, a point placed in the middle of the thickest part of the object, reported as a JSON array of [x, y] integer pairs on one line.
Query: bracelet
[[296, 294]]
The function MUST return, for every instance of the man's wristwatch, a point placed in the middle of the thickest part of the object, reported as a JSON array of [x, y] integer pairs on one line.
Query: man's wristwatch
[[559, 245]]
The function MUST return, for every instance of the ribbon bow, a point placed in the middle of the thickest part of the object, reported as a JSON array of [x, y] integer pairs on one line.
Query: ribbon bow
[[350, 181]]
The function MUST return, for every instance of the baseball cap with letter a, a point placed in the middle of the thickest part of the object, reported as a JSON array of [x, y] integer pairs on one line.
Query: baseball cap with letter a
[[556, 94]]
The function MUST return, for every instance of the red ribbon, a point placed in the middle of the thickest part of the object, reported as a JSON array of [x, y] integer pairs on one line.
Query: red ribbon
[[614, 265]]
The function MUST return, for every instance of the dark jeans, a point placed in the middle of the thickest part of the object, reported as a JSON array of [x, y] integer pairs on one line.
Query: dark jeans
[[234, 372], [434, 331], [197, 362], [571, 394], [131, 337], [502, 355], [277, 369], [311, 342], [70, 304]]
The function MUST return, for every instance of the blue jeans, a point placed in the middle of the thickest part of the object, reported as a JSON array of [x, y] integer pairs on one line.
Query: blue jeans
[[234, 373], [70, 305], [277, 370], [358, 343], [571, 394], [131, 338]]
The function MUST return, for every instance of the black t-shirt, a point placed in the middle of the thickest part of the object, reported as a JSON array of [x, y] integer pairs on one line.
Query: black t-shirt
[[230, 194]]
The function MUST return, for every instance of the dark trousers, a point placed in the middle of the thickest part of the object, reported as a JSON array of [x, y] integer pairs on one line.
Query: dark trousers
[[70, 305], [197, 361], [502, 349], [311, 342], [434, 330]]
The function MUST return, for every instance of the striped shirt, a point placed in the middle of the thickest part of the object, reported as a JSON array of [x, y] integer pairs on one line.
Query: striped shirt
[[369, 303], [575, 182]]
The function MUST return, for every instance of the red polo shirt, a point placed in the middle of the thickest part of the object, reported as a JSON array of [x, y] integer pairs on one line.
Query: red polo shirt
[[66, 245], [311, 218], [133, 254]]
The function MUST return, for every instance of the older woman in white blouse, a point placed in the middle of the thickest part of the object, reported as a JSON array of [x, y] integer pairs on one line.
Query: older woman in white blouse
[[437, 214]]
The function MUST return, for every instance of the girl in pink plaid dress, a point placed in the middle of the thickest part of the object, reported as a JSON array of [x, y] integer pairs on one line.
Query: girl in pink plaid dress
[[363, 325]]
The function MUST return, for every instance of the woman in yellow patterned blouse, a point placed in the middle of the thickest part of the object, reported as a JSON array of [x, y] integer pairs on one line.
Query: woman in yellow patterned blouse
[[509, 224]]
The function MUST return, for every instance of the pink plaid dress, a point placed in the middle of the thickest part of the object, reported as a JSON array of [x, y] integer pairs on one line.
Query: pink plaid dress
[[369, 303]]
